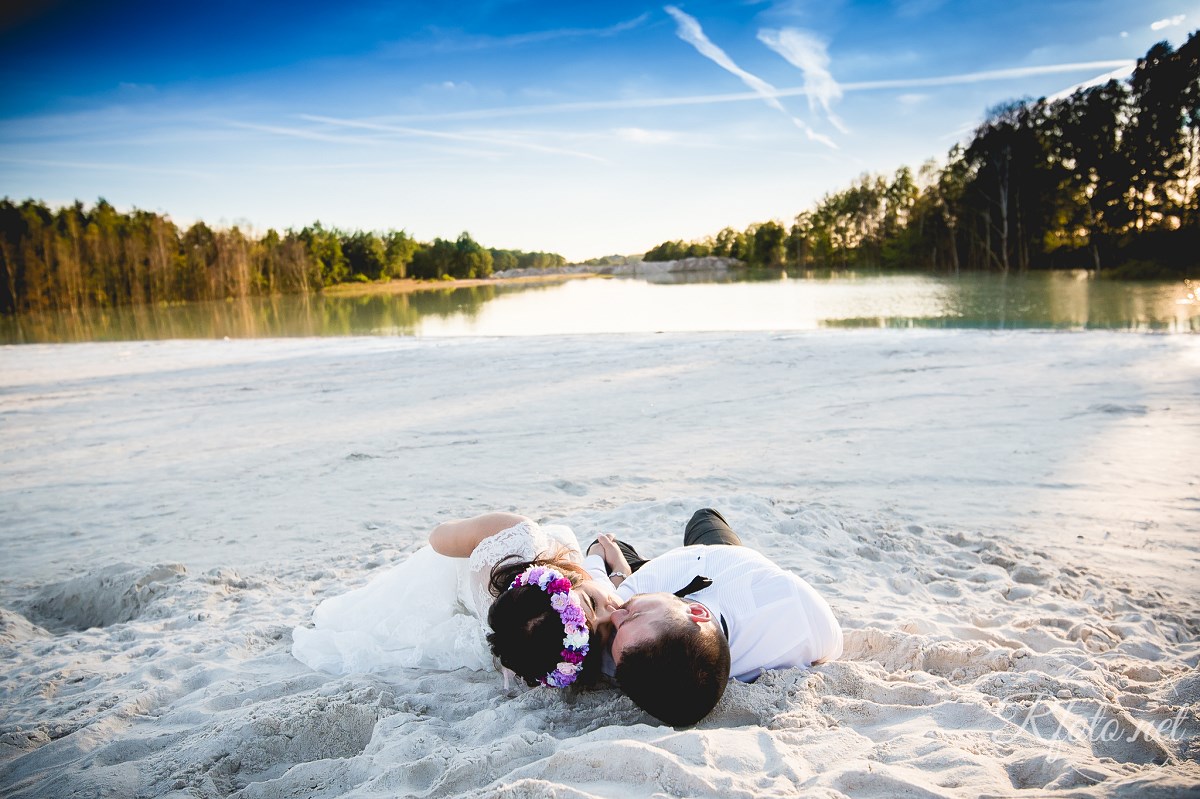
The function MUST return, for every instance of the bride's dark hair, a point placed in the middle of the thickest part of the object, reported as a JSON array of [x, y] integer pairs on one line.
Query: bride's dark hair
[[527, 634]]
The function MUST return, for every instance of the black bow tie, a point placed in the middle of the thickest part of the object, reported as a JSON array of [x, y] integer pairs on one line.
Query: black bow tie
[[698, 583]]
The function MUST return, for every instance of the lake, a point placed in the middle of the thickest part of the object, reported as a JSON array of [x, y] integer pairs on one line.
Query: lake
[[685, 302]]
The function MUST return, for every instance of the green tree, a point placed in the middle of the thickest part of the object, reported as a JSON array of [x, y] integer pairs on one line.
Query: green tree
[[399, 248], [435, 260], [667, 251], [365, 254], [769, 247], [325, 251], [1153, 141], [1095, 173], [1188, 57], [503, 260], [199, 250], [471, 259]]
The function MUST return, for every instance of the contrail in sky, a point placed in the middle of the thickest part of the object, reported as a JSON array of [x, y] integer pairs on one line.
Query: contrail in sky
[[690, 31], [807, 53], [437, 134], [1116, 65]]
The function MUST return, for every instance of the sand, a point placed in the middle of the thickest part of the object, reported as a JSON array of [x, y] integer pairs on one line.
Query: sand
[[1005, 522]]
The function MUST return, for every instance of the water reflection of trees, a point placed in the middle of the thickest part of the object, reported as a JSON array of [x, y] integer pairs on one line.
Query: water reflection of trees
[[1039, 300], [447, 302], [250, 317], [1043, 301]]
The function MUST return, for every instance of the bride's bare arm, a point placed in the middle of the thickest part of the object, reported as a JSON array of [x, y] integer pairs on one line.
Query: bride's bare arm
[[458, 538]]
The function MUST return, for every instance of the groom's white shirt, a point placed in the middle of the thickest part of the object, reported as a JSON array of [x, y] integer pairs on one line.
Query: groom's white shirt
[[776, 620]]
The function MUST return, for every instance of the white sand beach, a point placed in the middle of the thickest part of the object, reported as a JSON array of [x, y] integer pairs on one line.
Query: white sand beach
[[1007, 525]]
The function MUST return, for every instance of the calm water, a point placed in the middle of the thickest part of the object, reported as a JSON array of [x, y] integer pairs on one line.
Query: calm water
[[687, 303]]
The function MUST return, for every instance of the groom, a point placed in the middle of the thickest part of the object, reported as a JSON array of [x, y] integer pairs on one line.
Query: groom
[[698, 614]]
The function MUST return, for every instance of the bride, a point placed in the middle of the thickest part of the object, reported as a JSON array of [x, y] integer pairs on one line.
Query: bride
[[498, 585]]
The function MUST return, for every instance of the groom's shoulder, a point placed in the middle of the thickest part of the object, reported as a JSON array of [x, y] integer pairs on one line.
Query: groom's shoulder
[[739, 560], [717, 554]]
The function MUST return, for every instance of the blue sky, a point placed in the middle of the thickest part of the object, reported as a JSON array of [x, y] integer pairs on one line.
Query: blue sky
[[583, 129]]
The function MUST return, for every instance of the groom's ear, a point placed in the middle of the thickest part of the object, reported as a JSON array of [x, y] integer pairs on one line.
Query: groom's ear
[[699, 613]]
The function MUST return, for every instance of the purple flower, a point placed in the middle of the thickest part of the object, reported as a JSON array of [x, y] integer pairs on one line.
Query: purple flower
[[573, 615]]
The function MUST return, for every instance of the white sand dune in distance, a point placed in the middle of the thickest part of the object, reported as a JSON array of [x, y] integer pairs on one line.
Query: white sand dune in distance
[[1005, 523]]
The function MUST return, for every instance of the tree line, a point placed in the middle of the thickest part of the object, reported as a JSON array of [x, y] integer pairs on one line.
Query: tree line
[[1106, 178], [77, 257]]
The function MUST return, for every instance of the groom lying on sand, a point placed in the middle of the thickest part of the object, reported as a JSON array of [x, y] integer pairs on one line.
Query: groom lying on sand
[[672, 630], [696, 615]]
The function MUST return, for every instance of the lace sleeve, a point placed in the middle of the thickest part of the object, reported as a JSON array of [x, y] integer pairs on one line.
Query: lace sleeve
[[527, 540], [522, 540]]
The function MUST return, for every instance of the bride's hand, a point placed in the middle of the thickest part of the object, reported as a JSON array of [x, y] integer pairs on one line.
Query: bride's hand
[[614, 559]]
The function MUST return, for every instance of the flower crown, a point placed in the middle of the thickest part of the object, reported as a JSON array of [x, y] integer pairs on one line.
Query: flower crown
[[575, 642]]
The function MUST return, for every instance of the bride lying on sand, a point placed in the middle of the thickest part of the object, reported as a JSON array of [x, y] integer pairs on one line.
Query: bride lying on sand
[[496, 585]]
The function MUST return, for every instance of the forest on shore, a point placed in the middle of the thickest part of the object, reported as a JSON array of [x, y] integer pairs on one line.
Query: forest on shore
[[1107, 178], [77, 257]]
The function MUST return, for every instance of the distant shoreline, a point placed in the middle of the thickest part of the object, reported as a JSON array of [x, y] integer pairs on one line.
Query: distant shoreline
[[552, 274], [407, 285]]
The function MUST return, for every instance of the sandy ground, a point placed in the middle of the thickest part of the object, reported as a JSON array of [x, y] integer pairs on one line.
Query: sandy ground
[[1006, 523]]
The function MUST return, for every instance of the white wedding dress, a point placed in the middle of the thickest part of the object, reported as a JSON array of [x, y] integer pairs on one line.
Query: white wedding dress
[[426, 612]]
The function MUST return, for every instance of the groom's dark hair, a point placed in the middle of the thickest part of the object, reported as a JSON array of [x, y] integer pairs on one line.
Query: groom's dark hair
[[679, 675]]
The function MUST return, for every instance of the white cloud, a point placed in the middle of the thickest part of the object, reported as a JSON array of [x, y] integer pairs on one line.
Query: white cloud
[[487, 137], [807, 53], [987, 75], [911, 99], [1124, 34], [643, 136], [1169, 22], [689, 30], [112, 167], [301, 133], [820, 138], [738, 97], [782, 9], [1117, 74], [455, 41]]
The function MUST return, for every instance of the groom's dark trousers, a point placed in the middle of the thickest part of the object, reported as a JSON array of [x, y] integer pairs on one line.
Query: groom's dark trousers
[[706, 527]]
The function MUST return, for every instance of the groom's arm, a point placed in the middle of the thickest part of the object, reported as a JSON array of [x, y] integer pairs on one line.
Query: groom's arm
[[458, 539], [605, 558]]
